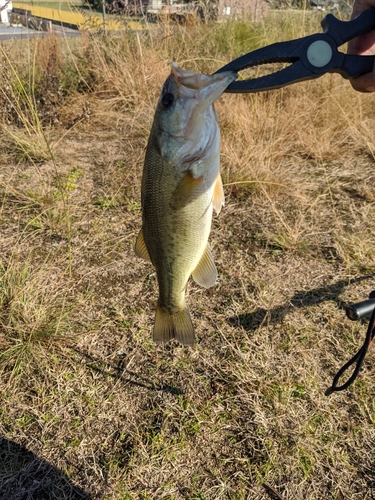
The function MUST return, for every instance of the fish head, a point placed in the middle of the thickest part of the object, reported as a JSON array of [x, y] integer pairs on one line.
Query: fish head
[[185, 121]]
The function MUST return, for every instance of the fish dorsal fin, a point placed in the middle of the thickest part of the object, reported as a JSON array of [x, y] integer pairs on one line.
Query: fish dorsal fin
[[205, 274], [188, 190], [218, 199], [140, 247]]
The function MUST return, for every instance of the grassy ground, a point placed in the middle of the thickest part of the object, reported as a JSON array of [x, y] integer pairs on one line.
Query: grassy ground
[[90, 407]]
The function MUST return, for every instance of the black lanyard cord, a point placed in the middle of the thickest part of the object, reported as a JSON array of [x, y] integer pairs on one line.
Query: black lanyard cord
[[357, 358]]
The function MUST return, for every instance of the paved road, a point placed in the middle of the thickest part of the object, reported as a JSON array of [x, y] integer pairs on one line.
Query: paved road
[[19, 32]]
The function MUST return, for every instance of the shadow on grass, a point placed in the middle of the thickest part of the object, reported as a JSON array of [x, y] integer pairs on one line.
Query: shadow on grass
[[24, 476], [119, 372], [251, 321]]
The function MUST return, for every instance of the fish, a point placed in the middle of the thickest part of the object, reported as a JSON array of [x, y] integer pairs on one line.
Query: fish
[[181, 186]]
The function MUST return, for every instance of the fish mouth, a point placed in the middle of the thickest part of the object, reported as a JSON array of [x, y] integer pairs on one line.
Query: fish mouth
[[206, 89]]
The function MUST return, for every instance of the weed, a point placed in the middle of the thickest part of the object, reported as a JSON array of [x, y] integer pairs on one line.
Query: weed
[[105, 203], [35, 307], [31, 142]]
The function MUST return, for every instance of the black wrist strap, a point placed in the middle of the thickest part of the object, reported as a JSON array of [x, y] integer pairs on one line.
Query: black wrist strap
[[357, 358]]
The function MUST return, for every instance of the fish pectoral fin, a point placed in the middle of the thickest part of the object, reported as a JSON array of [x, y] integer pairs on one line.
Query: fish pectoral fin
[[140, 247], [170, 326], [218, 199], [205, 274], [188, 189]]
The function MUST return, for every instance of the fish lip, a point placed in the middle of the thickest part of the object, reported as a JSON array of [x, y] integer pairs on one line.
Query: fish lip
[[206, 89]]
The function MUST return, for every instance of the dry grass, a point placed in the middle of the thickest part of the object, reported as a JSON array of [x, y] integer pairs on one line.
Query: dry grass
[[90, 407]]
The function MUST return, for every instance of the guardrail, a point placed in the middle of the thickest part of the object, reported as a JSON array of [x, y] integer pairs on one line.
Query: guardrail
[[70, 19]]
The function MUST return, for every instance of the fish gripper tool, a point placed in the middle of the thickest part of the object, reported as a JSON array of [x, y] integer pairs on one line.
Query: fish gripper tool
[[310, 57]]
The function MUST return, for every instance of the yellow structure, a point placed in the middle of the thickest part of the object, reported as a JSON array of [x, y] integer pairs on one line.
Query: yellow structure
[[76, 16]]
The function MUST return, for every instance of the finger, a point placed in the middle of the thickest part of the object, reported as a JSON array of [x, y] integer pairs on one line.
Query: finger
[[364, 83], [361, 5]]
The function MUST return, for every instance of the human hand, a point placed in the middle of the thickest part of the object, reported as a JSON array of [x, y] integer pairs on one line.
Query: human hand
[[365, 45]]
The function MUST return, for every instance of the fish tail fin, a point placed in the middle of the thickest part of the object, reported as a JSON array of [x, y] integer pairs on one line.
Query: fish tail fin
[[176, 325]]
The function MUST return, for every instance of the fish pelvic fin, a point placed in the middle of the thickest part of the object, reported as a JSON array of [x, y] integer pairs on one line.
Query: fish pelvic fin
[[205, 274], [140, 247], [218, 199], [173, 325]]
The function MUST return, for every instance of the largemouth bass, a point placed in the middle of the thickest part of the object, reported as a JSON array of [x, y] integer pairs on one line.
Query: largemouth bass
[[181, 186]]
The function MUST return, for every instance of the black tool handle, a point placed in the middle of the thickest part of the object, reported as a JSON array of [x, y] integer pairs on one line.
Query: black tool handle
[[343, 31], [355, 66], [361, 310]]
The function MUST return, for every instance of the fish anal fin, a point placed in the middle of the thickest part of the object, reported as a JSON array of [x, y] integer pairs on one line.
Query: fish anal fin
[[205, 274], [218, 199], [187, 190], [140, 247], [173, 325]]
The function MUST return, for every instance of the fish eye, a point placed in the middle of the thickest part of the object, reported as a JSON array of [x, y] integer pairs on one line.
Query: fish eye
[[167, 100]]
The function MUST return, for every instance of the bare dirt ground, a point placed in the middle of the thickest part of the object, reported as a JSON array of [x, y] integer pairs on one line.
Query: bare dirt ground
[[90, 407]]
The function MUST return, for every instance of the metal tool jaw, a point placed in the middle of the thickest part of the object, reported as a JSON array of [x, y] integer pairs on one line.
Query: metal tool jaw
[[309, 57]]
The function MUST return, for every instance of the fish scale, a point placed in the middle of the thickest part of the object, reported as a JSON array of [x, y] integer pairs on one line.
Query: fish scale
[[175, 256]]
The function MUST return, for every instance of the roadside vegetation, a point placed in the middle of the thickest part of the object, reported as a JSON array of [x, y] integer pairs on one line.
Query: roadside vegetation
[[90, 407]]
